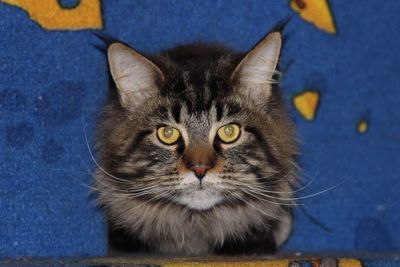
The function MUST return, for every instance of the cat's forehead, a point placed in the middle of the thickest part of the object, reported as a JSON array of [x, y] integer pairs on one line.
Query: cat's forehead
[[199, 98], [198, 125], [196, 91]]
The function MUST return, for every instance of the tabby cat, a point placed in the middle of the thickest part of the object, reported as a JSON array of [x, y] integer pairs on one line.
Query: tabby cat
[[196, 151]]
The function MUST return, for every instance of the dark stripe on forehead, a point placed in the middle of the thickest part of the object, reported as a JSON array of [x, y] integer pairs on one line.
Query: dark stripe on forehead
[[175, 89], [200, 100], [219, 87], [163, 113], [272, 160], [176, 112], [233, 109], [188, 103], [197, 83], [220, 110]]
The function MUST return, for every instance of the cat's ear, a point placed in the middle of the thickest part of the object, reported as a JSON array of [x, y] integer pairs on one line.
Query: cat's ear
[[254, 74], [135, 76]]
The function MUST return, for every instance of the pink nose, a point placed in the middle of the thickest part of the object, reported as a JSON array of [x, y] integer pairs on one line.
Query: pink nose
[[200, 170]]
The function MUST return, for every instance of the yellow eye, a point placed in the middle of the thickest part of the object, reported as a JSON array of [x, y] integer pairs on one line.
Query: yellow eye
[[168, 135], [229, 133]]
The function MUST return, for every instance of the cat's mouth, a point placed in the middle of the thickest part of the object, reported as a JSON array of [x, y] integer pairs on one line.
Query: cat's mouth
[[199, 195], [200, 198]]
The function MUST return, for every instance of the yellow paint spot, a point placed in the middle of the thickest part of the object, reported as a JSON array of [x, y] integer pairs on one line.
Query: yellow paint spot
[[349, 263], [306, 104], [316, 12], [266, 263], [50, 15], [362, 126]]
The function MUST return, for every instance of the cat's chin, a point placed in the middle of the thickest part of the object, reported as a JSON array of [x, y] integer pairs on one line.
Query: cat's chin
[[200, 199]]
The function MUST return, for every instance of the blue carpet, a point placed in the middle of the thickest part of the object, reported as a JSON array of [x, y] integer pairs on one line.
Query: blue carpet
[[53, 81]]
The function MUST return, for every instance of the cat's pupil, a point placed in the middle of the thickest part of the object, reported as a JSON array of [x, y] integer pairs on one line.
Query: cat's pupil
[[228, 130], [168, 131]]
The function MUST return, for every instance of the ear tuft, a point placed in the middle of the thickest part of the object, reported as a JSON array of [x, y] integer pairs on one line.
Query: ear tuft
[[254, 74], [281, 25], [136, 76]]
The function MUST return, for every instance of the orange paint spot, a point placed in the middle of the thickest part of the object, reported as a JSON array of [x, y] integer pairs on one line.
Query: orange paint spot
[[50, 15], [317, 12]]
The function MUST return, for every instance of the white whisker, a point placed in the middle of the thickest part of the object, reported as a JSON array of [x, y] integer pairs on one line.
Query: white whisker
[[252, 206], [91, 154]]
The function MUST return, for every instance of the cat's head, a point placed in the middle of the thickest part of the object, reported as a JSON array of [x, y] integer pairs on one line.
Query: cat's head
[[197, 127]]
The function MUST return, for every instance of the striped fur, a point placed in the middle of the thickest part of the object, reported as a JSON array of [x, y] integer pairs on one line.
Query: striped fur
[[243, 204]]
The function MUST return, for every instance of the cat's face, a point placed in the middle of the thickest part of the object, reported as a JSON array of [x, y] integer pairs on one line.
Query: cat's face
[[205, 157], [199, 130]]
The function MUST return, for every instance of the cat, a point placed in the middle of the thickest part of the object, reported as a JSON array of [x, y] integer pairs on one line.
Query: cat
[[196, 152]]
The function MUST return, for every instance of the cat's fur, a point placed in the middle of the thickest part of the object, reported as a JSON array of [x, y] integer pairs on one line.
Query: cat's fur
[[154, 202]]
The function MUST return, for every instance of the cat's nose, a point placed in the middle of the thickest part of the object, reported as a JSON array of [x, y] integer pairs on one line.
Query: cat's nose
[[199, 158], [200, 170]]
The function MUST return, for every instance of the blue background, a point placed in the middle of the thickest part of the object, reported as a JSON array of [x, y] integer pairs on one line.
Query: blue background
[[52, 84]]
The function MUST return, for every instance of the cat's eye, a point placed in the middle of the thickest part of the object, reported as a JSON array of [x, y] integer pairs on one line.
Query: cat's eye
[[168, 135], [229, 133]]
